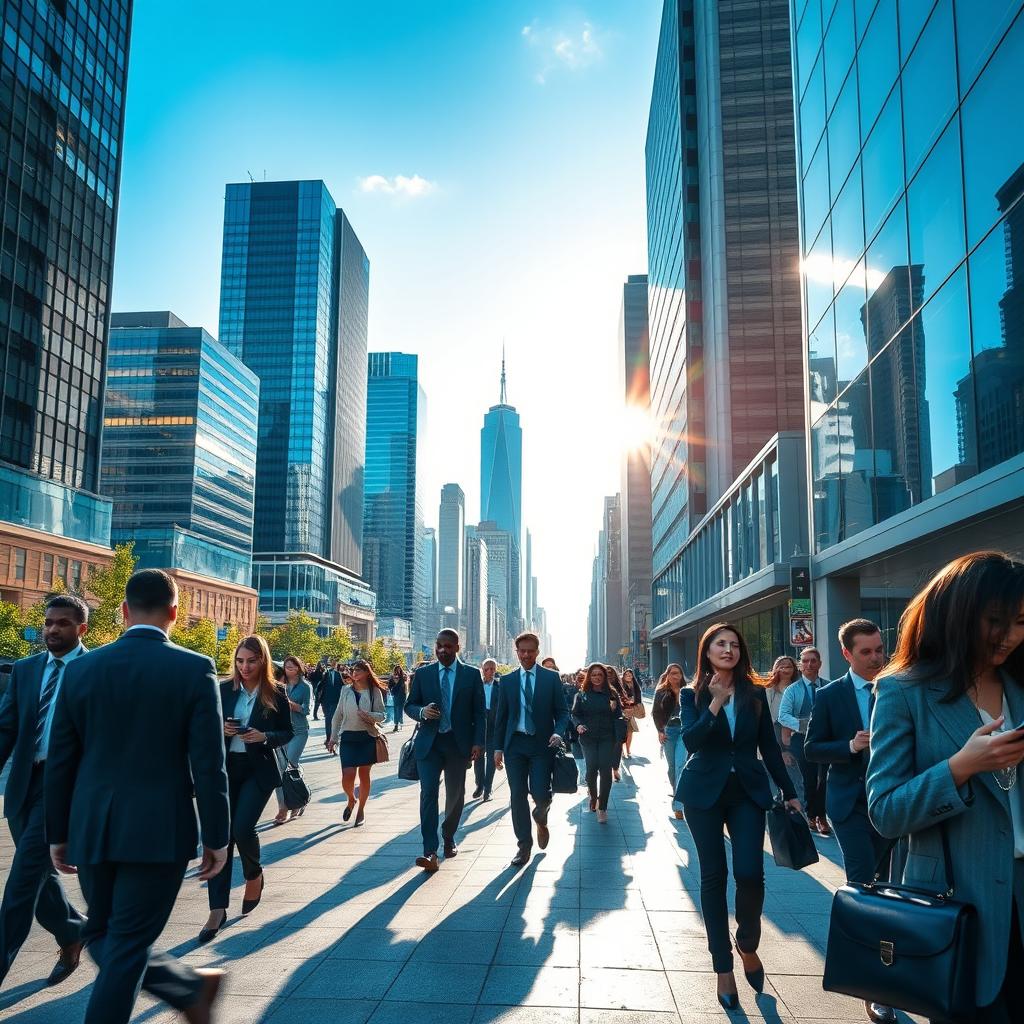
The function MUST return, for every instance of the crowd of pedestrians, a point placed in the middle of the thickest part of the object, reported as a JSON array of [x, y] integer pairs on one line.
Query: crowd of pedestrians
[[911, 762]]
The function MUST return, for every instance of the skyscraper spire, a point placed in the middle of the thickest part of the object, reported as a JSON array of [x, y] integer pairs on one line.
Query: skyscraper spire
[[502, 398]]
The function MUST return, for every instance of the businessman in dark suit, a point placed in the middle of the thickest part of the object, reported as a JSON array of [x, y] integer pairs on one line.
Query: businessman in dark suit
[[330, 694], [447, 699], [839, 736], [483, 767], [120, 778], [26, 717], [530, 721]]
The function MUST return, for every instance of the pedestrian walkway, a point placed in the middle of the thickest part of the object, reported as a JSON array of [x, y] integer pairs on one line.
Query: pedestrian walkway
[[603, 926]]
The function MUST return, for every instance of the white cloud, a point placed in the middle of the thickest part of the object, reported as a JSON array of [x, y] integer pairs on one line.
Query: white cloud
[[566, 49], [399, 185]]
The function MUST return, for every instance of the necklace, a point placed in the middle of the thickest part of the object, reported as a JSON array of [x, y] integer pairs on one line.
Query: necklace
[[1006, 778]]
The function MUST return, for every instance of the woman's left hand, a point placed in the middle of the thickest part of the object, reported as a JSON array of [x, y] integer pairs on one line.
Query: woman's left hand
[[294, 706], [367, 718], [794, 805], [253, 736]]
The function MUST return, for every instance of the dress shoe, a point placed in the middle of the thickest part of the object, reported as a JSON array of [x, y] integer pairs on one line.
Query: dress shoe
[[347, 813], [593, 803], [199, 1011], [543, 836], [478, 792], [755, 977], [248, 906], [67, 962], [450, 850], [823, 829], [880, 1014], [522, 857], [208, 933], [487, 798], [728, 998], [428, 862], [360, 817]]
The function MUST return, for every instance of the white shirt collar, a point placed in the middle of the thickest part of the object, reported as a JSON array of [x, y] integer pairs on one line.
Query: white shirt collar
[[145, 625], [861, 684], [810, 682], [65, 658]]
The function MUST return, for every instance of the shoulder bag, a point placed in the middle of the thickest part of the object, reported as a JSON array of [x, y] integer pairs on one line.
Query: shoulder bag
[[383, 753], [792, 845], [407, 769], [565, 776], [293, 786], [912, 949]]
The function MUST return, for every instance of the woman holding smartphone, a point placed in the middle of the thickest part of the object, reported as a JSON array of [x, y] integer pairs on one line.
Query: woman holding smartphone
[[726, 724], [257, 720], [298, 692]]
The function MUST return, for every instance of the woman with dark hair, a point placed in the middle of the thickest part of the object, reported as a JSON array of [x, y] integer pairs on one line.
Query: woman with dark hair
[[354, 732], [946, 745], [632, 706], [784, 673], [595, 710], [257, 721], [298, 692], [623, 730], [725, 725], [398, 685], [665, 712]]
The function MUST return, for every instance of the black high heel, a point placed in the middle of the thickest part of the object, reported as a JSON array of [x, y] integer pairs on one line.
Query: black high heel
[[754, 978], [248, 906], [728, 1000], [347, 813], [208, 933]]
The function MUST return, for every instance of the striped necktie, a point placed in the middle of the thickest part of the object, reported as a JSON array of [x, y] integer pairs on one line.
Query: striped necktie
[[46, 699]]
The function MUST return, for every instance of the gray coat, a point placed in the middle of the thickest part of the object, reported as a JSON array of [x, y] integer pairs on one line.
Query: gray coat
[[301, 694], [911, 791]]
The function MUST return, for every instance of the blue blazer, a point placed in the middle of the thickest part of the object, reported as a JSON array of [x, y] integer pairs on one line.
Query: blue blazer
[[835, 720], [469, 709], [715, 752], [550, 711], [19, 711], [911, 792]]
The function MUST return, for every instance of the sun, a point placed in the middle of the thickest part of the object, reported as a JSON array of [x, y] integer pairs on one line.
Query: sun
[[635, 428]]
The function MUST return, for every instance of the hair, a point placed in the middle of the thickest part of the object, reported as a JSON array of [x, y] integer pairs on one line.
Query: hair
[[73, 603], [663, 682], [812, 650], [554, 664], [745, 679], [941, 632], [527, 637], [489, 661], [150, 590], [773, 680], [295, 661], [453, 633], [269, 688], [630, 671], [586, 685], [849, 631], [375, 680], [401, 672]]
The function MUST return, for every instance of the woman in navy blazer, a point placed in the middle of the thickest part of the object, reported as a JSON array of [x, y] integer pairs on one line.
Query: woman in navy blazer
[[726, 722]]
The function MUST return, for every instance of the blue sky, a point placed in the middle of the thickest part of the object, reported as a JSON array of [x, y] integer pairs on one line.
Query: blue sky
[[489, 155]]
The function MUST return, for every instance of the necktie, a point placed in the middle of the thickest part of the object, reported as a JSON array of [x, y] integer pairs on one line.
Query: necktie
[[529, 704], [46, 699], [871, 705], [446, 700]]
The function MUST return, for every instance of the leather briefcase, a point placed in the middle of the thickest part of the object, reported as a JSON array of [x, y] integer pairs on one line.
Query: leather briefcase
[[407, 769], [565, 776], [792, 845], [293, 787], [900, 946]]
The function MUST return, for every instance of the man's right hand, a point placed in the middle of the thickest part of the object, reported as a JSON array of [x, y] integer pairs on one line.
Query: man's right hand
[[431, 711], [861, 741], [212, 862], [499, 760]]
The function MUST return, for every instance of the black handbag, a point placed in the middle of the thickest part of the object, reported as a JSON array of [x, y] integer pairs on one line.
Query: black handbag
[[407, 769], [293, 786], [565, 776], [904, 947], [792, 845], [621, 728]]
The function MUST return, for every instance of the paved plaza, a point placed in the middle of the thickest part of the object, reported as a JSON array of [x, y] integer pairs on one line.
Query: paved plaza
[[603, 926]]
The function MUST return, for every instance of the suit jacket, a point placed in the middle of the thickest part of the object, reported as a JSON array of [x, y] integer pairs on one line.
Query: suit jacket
[[550, 712], [276, 724], [835, 720], [137, 731], [911, 793], [301, 694], [714, 751], [467, 713], [19, 711], [330, 690]]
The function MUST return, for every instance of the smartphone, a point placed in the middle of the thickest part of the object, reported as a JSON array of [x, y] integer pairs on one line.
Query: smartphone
[[236, 722]]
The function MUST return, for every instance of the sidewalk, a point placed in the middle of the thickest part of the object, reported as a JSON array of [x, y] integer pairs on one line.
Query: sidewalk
[[601, 928]]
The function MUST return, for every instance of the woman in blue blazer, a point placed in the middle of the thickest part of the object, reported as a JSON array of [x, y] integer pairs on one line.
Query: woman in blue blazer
[[945, 756], [726, 722]]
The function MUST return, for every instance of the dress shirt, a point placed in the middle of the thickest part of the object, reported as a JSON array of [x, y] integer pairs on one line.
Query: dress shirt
[[795, 697], [243, 709], [862, 688], [145, 625], [1014, 795], [524, 720], [729, 707], [488, 690], [43, 746]]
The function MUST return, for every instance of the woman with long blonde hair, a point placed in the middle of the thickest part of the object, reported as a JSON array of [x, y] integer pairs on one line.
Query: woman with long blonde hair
[[784, 673], [257, 720]]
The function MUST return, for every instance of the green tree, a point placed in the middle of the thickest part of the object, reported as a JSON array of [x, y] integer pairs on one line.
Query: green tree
[[297, 636], [107, 585], [201, 637], [226, 650], [12, 622], [396, 659], [376, 654], [338, 644]]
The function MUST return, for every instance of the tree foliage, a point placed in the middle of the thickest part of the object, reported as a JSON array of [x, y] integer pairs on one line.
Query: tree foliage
[[107, 585], [12, 644], [338, 644], [226, 650], [297, 636]]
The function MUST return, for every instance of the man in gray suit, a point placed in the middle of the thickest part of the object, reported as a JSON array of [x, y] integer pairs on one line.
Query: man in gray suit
[[26, 717]]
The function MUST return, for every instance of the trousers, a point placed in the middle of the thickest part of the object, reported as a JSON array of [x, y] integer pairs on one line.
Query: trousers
[[599, 755], [675, 758], [735, 811], [861, 844], [814, 778], [483, 767], [528, 768], [444, 758], [248, 800]]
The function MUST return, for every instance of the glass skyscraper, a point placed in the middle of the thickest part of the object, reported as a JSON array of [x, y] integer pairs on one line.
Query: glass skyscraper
[[451, 553], [393, 512], [294, 296], [63, 69], [179, 447], [911, 158]]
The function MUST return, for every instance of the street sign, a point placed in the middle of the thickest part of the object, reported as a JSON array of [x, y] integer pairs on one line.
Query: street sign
[[30, 633], [800, 607], [222, 634], [799, 582], [801, 630]]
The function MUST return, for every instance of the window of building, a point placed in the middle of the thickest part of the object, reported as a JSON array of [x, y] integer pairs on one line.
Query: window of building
[[19, 563]]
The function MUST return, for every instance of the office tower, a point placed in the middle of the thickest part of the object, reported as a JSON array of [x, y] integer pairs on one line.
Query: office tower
[[501, 486], [528, 622], [393, 512], [428, 580], [294, 293], [501, 577], [451, 528], [63, 71], [635, 557], [726, 347], [910, 163], [179, 459], [606, 625], [475, 600]]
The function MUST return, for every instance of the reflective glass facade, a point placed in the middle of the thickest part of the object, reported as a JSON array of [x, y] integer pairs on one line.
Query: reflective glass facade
[[912, 168], [63, 68], [393, 513], [179, 447], [317, 587]]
